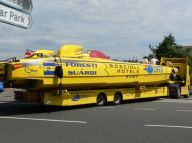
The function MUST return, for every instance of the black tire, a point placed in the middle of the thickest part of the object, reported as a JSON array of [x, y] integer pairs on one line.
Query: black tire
[[101, 99], [117, 98]]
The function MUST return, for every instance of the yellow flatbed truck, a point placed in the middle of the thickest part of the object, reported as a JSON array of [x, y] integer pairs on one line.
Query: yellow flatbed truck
[[176, 88]]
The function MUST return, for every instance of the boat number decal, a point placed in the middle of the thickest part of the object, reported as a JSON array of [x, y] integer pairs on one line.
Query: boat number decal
[[153, 69]]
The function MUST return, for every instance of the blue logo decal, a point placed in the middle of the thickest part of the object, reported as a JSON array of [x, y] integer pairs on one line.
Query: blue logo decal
[[76, 98], [149, 69]]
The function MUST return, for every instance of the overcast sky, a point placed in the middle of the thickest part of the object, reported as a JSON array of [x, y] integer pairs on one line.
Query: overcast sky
[[122, 29]]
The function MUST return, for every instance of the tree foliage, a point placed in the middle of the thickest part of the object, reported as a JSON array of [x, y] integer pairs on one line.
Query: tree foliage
[[170, 49]]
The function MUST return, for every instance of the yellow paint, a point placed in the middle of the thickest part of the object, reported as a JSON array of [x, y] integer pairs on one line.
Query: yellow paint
[[72, 98], [70, 51]]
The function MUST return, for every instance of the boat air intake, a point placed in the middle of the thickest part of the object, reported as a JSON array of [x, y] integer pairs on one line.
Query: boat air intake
[[59, 71]]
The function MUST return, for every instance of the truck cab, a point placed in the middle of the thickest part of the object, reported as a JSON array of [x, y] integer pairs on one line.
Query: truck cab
[[181, 81]]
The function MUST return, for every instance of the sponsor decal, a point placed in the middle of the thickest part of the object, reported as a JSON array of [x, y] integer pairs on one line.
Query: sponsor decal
[[132, 76], [82, 73], [125, 69], [75, 64], [76, 98], [149, 68], [79, 97], [158, 69], [124, 66], [30, 70], [153, 69]]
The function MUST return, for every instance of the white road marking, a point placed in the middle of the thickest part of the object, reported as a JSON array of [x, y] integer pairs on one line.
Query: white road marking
[[107, 107], [145, 109], [2, 102], [184, 110], [169, 126], [180, 101], [46, 120]]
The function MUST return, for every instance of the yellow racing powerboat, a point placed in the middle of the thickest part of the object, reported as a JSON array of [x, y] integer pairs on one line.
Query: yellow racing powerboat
[[72, 69]]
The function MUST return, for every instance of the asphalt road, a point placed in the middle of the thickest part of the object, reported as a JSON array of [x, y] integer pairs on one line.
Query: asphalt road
[[151, 121]]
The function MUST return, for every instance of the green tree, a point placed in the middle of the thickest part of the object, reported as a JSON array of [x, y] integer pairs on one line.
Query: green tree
[[170, 49]]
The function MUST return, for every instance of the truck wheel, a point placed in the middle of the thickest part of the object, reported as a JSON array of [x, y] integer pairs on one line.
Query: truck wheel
[[117, 98], [101, 99]]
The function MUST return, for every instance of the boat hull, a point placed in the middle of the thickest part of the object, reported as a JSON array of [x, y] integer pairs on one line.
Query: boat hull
[[74, 73]]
